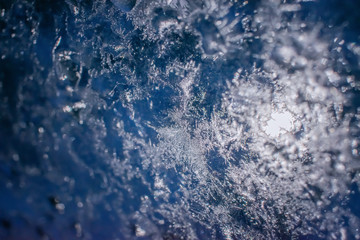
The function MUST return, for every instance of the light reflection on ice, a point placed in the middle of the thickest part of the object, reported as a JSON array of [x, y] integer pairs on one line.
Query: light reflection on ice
[[191, 119], [279, 123]]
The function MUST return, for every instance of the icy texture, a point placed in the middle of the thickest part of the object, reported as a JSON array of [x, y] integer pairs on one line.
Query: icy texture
[[179, 119]]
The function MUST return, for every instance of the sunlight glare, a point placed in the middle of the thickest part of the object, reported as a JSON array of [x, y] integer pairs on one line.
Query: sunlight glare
[[279, 123]]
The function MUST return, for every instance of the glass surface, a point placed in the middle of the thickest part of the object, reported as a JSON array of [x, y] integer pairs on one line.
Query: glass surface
[[179, 119]]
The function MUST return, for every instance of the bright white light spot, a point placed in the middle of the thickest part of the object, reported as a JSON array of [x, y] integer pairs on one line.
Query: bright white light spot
[[79, 105], [67, 109], [279, 123], [41, 130], [140, 232]]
